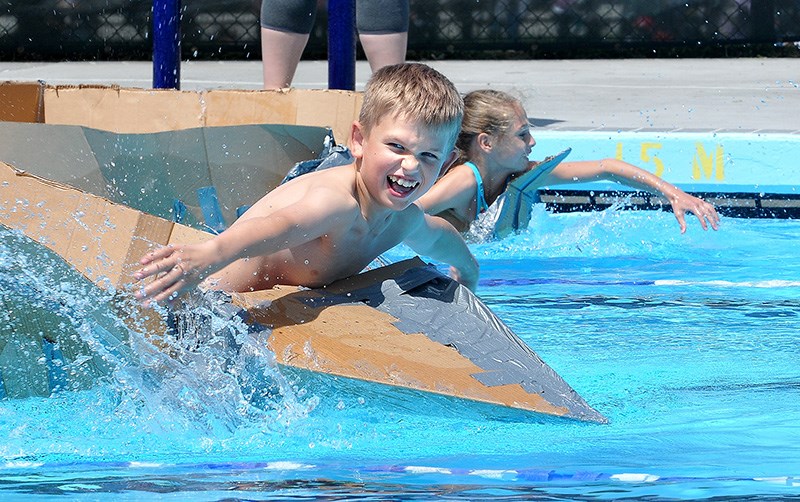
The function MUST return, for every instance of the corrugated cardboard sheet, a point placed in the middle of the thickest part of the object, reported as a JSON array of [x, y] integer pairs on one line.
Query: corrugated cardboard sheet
[[132, 110]]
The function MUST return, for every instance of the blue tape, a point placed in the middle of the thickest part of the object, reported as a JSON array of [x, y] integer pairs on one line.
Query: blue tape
[[56, 375], [178, 211], [212, 212]]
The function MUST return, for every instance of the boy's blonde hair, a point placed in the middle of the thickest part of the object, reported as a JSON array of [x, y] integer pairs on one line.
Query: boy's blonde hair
[[485, 111], [412, 91]]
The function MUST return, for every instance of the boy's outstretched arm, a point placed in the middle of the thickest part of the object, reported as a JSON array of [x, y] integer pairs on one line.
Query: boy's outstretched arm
[[635, 177], [182, 267], [437, 238]]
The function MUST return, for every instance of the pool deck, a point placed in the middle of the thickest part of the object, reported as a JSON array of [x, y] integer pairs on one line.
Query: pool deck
[[727, 129], [650, 95]]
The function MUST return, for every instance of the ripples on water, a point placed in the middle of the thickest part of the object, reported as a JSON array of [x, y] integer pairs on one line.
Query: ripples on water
[[686, 342]]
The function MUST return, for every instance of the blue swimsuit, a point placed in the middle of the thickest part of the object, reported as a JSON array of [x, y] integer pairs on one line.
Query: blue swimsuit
[[482, 205]]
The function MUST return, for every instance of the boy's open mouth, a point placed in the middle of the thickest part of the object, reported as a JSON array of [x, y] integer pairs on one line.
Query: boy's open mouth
[[401, 185]]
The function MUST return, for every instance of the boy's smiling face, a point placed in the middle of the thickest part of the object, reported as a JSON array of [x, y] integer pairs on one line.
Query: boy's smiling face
[[401, 159]]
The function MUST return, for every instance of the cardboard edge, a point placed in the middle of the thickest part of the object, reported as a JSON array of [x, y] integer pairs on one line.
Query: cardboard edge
[[139, 110]]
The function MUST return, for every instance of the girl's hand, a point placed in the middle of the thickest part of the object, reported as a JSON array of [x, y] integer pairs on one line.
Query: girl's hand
[[705, 212]]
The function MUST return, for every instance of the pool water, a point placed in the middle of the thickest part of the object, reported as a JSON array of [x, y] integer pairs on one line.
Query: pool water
[[687, 343]]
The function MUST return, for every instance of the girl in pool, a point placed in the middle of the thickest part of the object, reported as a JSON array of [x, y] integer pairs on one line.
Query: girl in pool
[[494, 144]]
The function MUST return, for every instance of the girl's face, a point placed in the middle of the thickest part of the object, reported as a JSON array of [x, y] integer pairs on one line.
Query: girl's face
[[511, 149]]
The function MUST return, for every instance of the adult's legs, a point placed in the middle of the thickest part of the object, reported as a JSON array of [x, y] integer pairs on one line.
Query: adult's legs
[[383, 30], [285, 28], [384, 49], [280, 54]]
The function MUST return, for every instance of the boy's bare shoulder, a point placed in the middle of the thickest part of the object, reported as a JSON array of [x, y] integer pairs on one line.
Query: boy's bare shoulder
[[332, 181], [334, 176], [329, 189]]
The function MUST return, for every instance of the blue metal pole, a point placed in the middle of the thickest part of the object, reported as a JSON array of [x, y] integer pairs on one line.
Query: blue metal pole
[[342, 44], [166, 44]]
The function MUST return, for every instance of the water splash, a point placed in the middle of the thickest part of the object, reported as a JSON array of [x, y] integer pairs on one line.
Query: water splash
[[591, 234], [208, 375]]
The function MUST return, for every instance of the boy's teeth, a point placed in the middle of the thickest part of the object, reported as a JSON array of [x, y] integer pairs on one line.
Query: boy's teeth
[[403, 182]]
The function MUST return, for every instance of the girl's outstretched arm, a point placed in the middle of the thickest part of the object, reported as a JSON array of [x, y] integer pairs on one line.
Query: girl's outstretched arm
[[640, 179]]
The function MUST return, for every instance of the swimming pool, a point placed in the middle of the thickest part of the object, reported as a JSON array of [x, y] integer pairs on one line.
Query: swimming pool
[[685, 342]]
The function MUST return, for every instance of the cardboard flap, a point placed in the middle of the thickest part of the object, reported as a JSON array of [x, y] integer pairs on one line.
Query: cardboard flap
[[123, 110], [514, 205], [22, 101], [165, 173], [82, 228], [60, 153], [435, 337]]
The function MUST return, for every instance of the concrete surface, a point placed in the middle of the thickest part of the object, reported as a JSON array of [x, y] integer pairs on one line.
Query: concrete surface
[[735, 95]]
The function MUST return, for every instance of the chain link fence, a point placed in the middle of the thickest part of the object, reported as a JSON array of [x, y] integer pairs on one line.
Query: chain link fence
[[121, 29]]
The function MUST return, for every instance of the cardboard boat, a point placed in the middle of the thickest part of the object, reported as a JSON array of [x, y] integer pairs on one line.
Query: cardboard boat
[[405, 325], [84, 181]]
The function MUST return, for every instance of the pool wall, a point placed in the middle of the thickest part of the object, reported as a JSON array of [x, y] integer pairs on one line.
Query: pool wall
[[756, 174], [695, 161]]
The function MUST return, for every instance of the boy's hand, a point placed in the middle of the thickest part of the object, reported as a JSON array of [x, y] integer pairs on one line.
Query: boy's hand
[[470, 282], [438, 239], [176, 269]]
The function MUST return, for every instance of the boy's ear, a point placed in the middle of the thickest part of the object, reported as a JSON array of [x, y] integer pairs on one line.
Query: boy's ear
[[357, 139], [449, 161], [485, 142]]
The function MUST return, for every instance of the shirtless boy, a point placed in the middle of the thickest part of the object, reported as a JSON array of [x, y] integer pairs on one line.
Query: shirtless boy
[[330, 224]]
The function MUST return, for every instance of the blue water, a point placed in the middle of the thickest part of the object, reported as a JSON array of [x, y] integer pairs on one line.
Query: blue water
[[687, 343]]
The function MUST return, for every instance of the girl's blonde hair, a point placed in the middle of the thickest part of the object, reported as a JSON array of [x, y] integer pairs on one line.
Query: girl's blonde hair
[[485, 111], [412, 91]]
